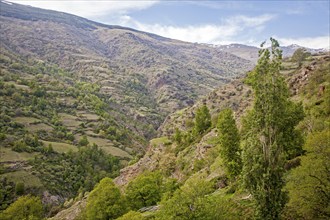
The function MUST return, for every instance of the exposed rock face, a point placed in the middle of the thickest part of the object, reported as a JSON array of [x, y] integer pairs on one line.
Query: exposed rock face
[[300, 80], [50, 199], [72, 212]]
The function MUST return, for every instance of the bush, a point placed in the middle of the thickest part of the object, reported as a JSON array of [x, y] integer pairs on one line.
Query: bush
[[131, 215], [105, 201], [145, 190], [24, 208]]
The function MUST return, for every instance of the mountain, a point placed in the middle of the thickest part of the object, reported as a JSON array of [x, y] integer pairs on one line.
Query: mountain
[[80, 99], [174, 73], [83, 102], [201, 160]]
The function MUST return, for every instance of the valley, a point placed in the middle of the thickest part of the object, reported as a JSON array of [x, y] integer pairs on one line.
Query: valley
[[106, 122]]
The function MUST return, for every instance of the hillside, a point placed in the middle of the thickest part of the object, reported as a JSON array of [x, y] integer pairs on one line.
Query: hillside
[[191, 164], [236, 96], [117, 58], [98, 119], [80, 99]]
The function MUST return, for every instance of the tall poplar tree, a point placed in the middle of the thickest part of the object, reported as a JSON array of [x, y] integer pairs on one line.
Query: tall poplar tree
[[269, 135], [229, 142]]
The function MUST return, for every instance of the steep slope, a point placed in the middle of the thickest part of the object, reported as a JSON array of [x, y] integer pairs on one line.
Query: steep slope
[[166, 155], [68, 84], [201, 161], [171, 74]]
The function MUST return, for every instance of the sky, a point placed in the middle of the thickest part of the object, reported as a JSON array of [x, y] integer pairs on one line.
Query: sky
[[305, 23]]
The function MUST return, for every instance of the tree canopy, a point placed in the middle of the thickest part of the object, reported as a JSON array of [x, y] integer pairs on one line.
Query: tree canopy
[[105, 201], [229, 142], [24, 208], [269, 134], [202, 120], [145, 190]]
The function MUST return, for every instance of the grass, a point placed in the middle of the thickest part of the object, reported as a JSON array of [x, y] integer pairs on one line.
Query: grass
[[161, 140], [41, 126], [32, 124], [116, 152], [91, 133], [27, 178], [24, 87], [69, 121], [61, 147], [107, 146], [6, 154], [88, 116], [66, 100], [26, 120]]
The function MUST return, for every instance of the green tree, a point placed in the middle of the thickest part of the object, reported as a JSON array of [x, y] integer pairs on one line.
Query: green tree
[[7, 192], [188, 202], [24, 208], [83, 141], [19, 188], [300, 55], [202, 120], [229, 142], [131, 215], [267, 134], [309, 184], [105, 201], [145, 190], [177, 137]]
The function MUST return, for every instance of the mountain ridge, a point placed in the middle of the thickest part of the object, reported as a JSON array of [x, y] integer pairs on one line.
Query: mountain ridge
[[121, 52]]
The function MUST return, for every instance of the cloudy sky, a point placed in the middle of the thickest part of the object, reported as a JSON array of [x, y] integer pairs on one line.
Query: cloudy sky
[[216, 22]]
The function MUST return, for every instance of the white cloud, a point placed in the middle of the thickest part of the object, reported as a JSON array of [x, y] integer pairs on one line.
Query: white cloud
[[90, 9], [250, 21], [310, 42], [227, 31]]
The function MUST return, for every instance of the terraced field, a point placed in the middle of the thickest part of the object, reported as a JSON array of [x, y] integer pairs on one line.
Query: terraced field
[[61, 147]]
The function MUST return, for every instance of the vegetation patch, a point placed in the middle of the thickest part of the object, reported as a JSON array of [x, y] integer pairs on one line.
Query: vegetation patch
[[162, 140], [26, 177], [39, 127], [70, 121], [26, 120], [88, 116], [7, 154], [61, 147], [106, 145]]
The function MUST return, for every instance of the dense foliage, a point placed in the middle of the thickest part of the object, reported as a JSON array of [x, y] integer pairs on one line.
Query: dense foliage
[[105, 201], [269, 135], [24, 208], [68, 174], [229, 142], [201, 124], [148, 189], [202, 120], [309, 184]]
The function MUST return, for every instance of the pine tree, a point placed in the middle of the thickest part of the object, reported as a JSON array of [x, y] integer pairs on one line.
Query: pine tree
[[267, 134], [229, 142]]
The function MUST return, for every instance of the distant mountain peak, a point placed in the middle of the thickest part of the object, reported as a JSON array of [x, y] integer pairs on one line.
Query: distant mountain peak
[[295, 46]]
